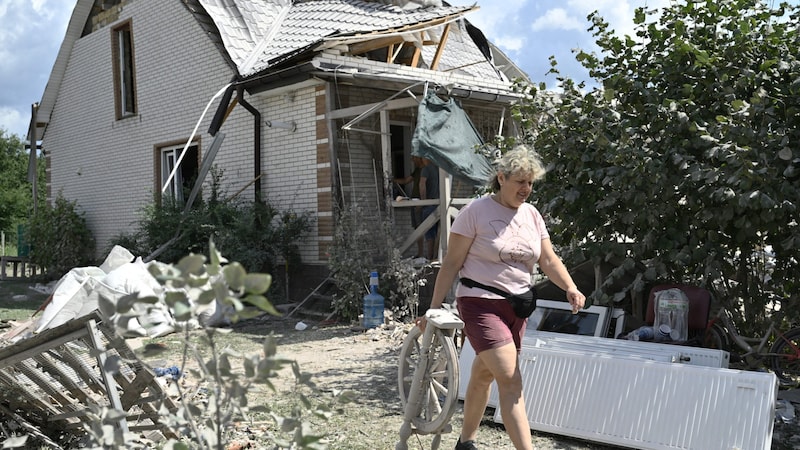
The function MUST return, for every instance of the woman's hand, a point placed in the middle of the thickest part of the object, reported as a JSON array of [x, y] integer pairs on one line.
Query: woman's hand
[[420, 322], [576, 299]]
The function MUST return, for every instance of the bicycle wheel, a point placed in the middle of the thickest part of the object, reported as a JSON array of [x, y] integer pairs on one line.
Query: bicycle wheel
[[785, 359], [439, 383], [716, 337]]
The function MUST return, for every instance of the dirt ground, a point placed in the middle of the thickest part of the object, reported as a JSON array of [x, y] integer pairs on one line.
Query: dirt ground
[[340, 357], [344, 358]]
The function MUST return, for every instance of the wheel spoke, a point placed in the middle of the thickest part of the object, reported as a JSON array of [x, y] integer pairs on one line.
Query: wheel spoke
[[433, 402], [439, 389]]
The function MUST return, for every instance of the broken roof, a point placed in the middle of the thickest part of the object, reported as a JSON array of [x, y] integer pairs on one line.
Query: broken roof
[[259, 35], [255, 36]]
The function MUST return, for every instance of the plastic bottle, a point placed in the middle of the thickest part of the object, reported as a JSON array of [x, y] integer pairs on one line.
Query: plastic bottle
[[373, 304], [672, 310], [642, 334], [663, 333]]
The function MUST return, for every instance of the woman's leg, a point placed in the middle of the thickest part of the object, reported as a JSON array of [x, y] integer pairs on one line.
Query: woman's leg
[[503, 364], [475, 399]]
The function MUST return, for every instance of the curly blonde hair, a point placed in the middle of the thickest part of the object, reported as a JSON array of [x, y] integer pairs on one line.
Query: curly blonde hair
[[520, 160]]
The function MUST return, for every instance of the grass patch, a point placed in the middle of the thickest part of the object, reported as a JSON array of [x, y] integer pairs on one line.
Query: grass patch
[[18, 301]]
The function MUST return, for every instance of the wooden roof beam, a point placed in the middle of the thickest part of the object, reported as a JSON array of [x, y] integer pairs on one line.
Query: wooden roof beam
[[368, 46], [442, 42]]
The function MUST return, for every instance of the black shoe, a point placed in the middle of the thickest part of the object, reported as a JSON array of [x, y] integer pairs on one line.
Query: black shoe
[[469, 445]]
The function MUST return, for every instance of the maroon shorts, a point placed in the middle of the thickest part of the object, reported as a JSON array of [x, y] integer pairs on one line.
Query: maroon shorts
[[490, 323]]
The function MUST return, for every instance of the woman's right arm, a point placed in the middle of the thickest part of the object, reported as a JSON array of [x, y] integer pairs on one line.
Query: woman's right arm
[[457, 248]]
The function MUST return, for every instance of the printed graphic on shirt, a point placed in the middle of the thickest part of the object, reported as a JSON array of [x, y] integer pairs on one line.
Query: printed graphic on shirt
[[514, 240]]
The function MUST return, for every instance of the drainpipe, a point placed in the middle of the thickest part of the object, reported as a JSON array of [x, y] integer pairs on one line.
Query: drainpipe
[[256, 141]]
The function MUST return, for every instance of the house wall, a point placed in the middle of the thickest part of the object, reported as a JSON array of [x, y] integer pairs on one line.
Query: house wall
[[107, 165], [295, 171]]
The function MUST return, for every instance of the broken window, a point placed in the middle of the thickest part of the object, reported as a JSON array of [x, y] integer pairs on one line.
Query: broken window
[[124, 79], [181, 183]]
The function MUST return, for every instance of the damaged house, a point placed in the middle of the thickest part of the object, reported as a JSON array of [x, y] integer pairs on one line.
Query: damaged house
[[307, 104]]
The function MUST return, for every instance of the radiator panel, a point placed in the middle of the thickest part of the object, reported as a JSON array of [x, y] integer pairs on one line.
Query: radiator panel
[[622, 347], [591, 345], [646, 404]]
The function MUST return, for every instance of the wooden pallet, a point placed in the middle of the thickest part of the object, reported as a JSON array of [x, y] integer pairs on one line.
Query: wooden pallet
[[49, 382]]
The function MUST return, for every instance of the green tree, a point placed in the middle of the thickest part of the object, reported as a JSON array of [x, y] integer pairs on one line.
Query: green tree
[[15, 190], [685, 156]]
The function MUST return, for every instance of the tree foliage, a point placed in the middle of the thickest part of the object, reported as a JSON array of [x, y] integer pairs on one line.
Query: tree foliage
[[685, 156], [15, 190]]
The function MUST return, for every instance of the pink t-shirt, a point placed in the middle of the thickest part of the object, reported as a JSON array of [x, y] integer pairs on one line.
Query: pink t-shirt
[[506, 245]]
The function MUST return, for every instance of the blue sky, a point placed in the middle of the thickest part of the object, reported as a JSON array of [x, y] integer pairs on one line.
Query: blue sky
[[528, 32]]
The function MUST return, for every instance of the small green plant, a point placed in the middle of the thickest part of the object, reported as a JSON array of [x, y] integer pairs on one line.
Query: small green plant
[[362, 244], [60, 239], [191, 286]]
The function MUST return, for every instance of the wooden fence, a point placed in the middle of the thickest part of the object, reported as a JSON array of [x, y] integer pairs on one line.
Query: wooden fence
[[18, 268]]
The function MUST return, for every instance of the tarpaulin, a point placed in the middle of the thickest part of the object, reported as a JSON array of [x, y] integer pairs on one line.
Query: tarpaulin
[[445, 135]]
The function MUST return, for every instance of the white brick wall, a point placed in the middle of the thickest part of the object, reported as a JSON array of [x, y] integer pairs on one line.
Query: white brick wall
[[107, 165], [288, 158]]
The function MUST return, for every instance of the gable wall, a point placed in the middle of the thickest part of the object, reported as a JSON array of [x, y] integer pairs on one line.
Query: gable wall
[[107, 165]]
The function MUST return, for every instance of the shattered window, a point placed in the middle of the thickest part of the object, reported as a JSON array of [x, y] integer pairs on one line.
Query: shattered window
[[181, 180]]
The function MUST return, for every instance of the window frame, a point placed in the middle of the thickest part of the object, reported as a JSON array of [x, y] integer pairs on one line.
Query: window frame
[[124, 69], [162, 169]]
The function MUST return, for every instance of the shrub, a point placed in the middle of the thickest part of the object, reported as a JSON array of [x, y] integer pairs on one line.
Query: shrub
[[362, 244], [60, 238], [261, 236]]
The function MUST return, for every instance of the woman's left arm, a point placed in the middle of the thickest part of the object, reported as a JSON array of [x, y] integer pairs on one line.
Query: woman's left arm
[[555, 270]]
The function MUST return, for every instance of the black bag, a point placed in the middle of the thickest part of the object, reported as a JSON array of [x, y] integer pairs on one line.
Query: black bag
[[523, 304]]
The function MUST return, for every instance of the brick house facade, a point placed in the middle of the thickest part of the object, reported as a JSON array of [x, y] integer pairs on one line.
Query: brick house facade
[[110, 162]]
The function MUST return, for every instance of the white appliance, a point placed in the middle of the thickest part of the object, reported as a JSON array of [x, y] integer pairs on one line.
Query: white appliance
[[592, 345], [646, 404], [695, 356]]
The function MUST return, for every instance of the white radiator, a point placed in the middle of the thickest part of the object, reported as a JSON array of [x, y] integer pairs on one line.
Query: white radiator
[[645, 404], [592, 345], [695, 356]]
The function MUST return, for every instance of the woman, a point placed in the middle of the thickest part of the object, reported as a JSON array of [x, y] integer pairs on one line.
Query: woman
[[496, 240]]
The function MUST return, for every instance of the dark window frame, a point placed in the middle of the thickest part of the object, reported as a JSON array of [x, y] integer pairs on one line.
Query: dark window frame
[[124, 68]]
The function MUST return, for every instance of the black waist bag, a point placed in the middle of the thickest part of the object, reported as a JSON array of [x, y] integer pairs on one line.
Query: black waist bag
[[523, 304]]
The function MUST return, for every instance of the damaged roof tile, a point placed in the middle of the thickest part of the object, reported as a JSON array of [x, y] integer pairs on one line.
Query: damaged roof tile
[[257, 34]]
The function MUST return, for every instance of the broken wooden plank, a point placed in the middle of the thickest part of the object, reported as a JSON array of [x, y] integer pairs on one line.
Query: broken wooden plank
[[55, 380], [29, 427], [108, 376]]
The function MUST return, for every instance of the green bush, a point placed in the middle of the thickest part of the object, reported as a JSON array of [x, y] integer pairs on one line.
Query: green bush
[[258, 235], [362, 244], [60, 238]]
